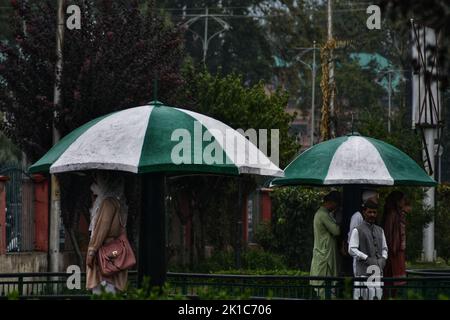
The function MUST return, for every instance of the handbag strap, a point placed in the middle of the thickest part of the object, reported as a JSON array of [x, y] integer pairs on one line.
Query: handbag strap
[[123, 226]]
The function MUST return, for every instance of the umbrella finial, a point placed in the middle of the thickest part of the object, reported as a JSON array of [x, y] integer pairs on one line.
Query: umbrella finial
[[155, 88], [352, 123], [155, 102]]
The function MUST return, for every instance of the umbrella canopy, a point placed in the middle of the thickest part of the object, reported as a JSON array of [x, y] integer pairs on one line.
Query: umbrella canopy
[[354, 159], [156, 138]]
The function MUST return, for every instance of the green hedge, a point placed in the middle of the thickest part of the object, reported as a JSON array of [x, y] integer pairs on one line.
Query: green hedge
[[290, 232], [251, 260]]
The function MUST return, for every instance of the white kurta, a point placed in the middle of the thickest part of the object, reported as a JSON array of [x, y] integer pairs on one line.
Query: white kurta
[[355, 221]]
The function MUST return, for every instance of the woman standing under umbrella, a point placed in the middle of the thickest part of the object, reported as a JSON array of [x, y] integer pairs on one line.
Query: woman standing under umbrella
[[108, 220], [394, 222]]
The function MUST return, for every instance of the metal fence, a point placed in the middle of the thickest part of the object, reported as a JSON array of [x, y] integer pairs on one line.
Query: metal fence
[[19, 209], [311, 288], [46, 285], [54, 286]]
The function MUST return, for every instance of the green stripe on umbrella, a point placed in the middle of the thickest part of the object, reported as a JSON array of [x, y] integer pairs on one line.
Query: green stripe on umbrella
[[159, 145], [156, 138], [354, 160]]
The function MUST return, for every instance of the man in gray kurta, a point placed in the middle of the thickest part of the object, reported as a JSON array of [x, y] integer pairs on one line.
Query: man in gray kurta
[[357, 217], [326, 231], [368, 246]]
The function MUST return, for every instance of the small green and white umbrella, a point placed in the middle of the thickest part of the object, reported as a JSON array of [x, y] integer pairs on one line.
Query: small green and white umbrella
[[156, 138], [354, 159]]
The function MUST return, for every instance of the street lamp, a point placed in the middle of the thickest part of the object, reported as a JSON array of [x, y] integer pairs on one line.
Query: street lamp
[[389, 73], [205, 39], [313, 69]]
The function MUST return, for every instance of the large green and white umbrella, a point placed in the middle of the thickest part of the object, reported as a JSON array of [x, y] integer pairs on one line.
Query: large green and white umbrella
[[354, 159], [156, 138]]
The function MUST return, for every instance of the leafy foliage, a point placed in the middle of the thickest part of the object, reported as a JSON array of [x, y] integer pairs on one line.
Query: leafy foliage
[[229, 100], [145, 292], [442, 222], [292, 224], [243, 48], [254, 261], [431, 13], [401, 135], [214, 200], [5, 8], [109, 64], [9, 153]]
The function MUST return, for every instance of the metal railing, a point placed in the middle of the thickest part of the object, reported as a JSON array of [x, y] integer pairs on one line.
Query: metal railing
[[305, 287], [37, 285], [54, 286], [19, 209], [46, 285], [255, 286]]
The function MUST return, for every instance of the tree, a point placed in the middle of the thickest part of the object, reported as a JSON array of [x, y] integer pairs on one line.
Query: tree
[[5, 9], [229, 100], [9, 153], [109, 64], [294, 25], [443, 222], [401, 136], [356, 93], [242, 49], [430, 13], [213, 201]]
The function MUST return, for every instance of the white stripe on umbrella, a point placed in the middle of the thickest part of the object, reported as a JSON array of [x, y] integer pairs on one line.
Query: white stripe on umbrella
[[234, 144], [347, 167], [108, 144]]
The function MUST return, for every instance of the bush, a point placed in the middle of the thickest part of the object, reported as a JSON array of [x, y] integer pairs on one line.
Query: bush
[[146, 292], [260, 272], [292, 224], [258, 259], [251, 260], [264, 235], [442, 222], [221, 260]]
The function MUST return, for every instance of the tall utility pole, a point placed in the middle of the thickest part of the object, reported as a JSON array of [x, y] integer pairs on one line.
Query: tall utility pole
[[206, 39], [427, 115], [313, 92], [55, 204], [331, 70], [389, 100], [205, 43]]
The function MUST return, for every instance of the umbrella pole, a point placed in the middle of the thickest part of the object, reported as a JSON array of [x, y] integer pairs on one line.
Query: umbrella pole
[[351, 202], [238, 252], [152, 234]]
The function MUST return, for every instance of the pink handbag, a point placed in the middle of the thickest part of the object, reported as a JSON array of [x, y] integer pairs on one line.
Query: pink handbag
[[116, 256]]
